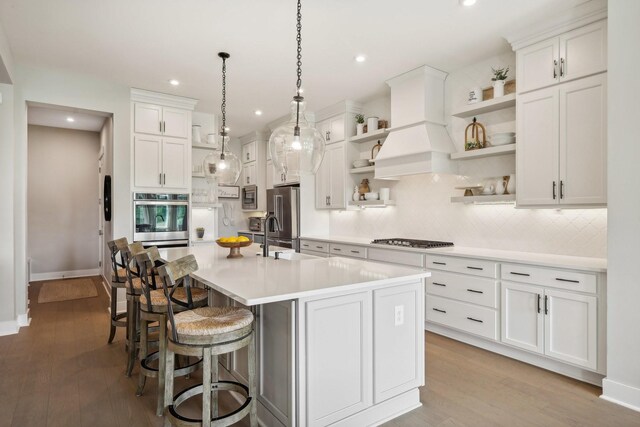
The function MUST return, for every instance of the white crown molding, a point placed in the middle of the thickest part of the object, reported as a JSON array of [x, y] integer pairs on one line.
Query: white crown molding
[[342, 107], [417, 72], [254, 136], [141, 95], [579, 16]]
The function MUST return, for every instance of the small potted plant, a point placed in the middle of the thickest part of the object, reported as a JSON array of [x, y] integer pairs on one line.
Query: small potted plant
[[200, 232], [499, 77], [359, 124]]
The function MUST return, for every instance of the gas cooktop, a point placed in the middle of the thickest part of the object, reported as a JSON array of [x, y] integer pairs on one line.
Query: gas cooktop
[[412, 243]]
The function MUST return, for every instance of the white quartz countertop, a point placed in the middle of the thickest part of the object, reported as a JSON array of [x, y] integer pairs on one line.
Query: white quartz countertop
[[254, 280], [547, 260]]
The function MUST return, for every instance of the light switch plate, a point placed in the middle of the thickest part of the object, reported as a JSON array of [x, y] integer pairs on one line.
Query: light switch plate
[[399, 315]]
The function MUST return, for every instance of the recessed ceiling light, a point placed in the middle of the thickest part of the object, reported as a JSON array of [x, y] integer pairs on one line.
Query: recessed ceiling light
[[174, 82], [361, 58], [71, 119], [467, 2], [258, 112]]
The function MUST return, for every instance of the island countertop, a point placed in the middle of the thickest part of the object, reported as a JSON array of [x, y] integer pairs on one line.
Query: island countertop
[[254, 280]]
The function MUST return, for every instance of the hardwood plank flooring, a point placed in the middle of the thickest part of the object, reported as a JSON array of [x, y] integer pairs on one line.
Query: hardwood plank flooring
[[60, 371]]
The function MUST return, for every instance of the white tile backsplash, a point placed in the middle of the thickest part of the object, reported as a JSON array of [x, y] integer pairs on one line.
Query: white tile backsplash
[[423, 211]]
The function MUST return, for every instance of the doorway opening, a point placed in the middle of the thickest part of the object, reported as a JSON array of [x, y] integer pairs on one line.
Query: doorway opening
[[70, 151]]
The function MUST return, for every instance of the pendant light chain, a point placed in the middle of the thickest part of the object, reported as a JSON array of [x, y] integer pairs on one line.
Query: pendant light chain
[[223, 131], [299, 40]]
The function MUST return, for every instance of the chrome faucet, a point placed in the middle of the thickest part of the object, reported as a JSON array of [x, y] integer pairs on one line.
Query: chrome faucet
[[276, 227]]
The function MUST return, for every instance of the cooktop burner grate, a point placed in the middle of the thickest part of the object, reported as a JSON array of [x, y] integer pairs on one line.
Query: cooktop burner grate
[[412, 243]]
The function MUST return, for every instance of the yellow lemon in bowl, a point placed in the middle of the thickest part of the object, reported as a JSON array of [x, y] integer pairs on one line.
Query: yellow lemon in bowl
[[243, 239]]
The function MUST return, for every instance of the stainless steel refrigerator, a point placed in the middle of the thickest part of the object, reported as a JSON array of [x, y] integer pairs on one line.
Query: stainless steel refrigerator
[[284, 203]]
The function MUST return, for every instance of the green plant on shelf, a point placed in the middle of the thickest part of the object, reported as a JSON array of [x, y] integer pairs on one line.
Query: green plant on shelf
[[360, 118], [499, 74]]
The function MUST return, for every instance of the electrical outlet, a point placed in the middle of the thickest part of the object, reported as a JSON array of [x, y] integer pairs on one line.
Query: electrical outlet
[[399, 317]]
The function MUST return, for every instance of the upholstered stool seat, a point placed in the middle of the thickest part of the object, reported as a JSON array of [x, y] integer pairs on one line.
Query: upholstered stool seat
[[119, 276], [136, 283], [207, 321], [159, 300]]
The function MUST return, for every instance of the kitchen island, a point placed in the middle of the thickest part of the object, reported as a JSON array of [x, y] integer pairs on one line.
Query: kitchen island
[[340, 341]]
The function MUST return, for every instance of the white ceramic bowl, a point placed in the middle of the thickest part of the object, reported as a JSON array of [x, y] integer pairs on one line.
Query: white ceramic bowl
[[360, 163], [502, 141], [371, 196]]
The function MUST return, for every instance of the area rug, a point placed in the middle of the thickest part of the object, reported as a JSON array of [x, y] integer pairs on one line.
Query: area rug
[[67, 289]]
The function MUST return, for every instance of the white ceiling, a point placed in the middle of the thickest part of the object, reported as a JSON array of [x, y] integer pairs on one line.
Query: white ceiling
[[144, 43], [57, 117]]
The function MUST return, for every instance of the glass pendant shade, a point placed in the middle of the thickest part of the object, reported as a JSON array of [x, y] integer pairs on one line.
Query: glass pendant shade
[[293, 153], [223, 168]]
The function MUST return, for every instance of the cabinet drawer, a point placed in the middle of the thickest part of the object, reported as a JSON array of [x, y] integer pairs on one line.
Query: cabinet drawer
[[310, 245], [353, 251], [466, 317], [465, 288], [463, 265], [563, 279], [396, 257], [314, 253]]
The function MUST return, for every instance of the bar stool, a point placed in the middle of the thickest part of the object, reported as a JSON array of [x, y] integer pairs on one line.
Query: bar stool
[[118, 281], [153, 308], [207, 332], [134, 290]]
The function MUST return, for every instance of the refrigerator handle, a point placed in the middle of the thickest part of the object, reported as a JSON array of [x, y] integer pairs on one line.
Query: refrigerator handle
[[277, 207]]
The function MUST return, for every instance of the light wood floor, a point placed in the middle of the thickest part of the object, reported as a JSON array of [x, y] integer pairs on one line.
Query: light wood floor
[[61, 372]]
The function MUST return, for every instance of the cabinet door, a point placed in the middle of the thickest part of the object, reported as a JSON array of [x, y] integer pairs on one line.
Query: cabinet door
[[583, 51], [336, 129], [174, 163], [147, 161], [323, 183], [537, 155], [538, 65], [324, 127], [583, 141], [270, 174], [398, 351], [277, 359], [337, 198], [147, 118], [338, 357], [249, 152], [248, 174], [522, 316], [176, 122], [571, 328]]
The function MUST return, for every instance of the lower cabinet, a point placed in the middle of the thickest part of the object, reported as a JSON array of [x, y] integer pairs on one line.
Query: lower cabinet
[[556, 323]]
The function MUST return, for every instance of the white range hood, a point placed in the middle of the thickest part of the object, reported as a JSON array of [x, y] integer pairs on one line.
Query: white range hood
[[418, 142]]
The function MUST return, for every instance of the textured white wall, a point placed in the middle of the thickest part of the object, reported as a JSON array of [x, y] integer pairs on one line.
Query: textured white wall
[[623, 286], [7, 257], [424, 210], [62, 199]]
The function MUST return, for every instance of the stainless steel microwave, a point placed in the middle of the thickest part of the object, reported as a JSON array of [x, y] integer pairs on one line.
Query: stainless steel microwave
[[250, 197]]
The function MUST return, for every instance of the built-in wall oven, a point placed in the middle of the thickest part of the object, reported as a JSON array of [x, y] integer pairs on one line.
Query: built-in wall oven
[[250, 197], [161, 219]]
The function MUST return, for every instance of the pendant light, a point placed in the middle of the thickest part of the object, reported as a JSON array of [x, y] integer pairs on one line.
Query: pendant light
[[220, 166], [296, 147]]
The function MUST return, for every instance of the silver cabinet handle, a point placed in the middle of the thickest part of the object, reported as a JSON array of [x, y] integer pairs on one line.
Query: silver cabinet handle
[[160, 125], [561, 67], [567, 280], [519, 274], [337, 249], [554, 190], [439, 311], [160, 178], [475, 320], [546, 304], [319, 247], [539, 297], [561, 189], [555, 69], [329, 200], [355, 252], [474, 291], [439, 263], [439, 284], [475, 268]]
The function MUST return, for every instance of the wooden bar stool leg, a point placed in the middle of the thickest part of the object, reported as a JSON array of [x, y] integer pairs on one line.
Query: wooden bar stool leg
[[114, 302], [215, 377], [162, 372], [206, 387], [168, 381], [133, 335], [253, 415], [130, 332], [142, 354]]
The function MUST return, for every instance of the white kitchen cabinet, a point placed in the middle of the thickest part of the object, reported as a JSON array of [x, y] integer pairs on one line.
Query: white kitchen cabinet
[[158, 120], [561, 156], [330, 179], [255, 168], [249, 174], [522, 317], [160, 162], [559, 324], [249, 152], [399, 344], [572, 55], [338, 333], [270, 174], [332, 129]]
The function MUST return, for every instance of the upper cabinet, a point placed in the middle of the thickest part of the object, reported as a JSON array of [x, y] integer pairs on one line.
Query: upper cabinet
[[330, 179], [561, 120], [254, 165], [333, 129], [157, 120], [161, 141], [569, 56]]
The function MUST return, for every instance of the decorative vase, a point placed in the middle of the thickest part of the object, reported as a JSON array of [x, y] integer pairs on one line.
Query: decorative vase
[[511, 186], [356, 194], [372, 124], [363, 188], [359, 128], [475, 95], [498, 88], [200, 232]]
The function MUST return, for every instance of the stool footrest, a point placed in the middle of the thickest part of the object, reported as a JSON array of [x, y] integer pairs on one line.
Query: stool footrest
[[152, 372], [220, 421]]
